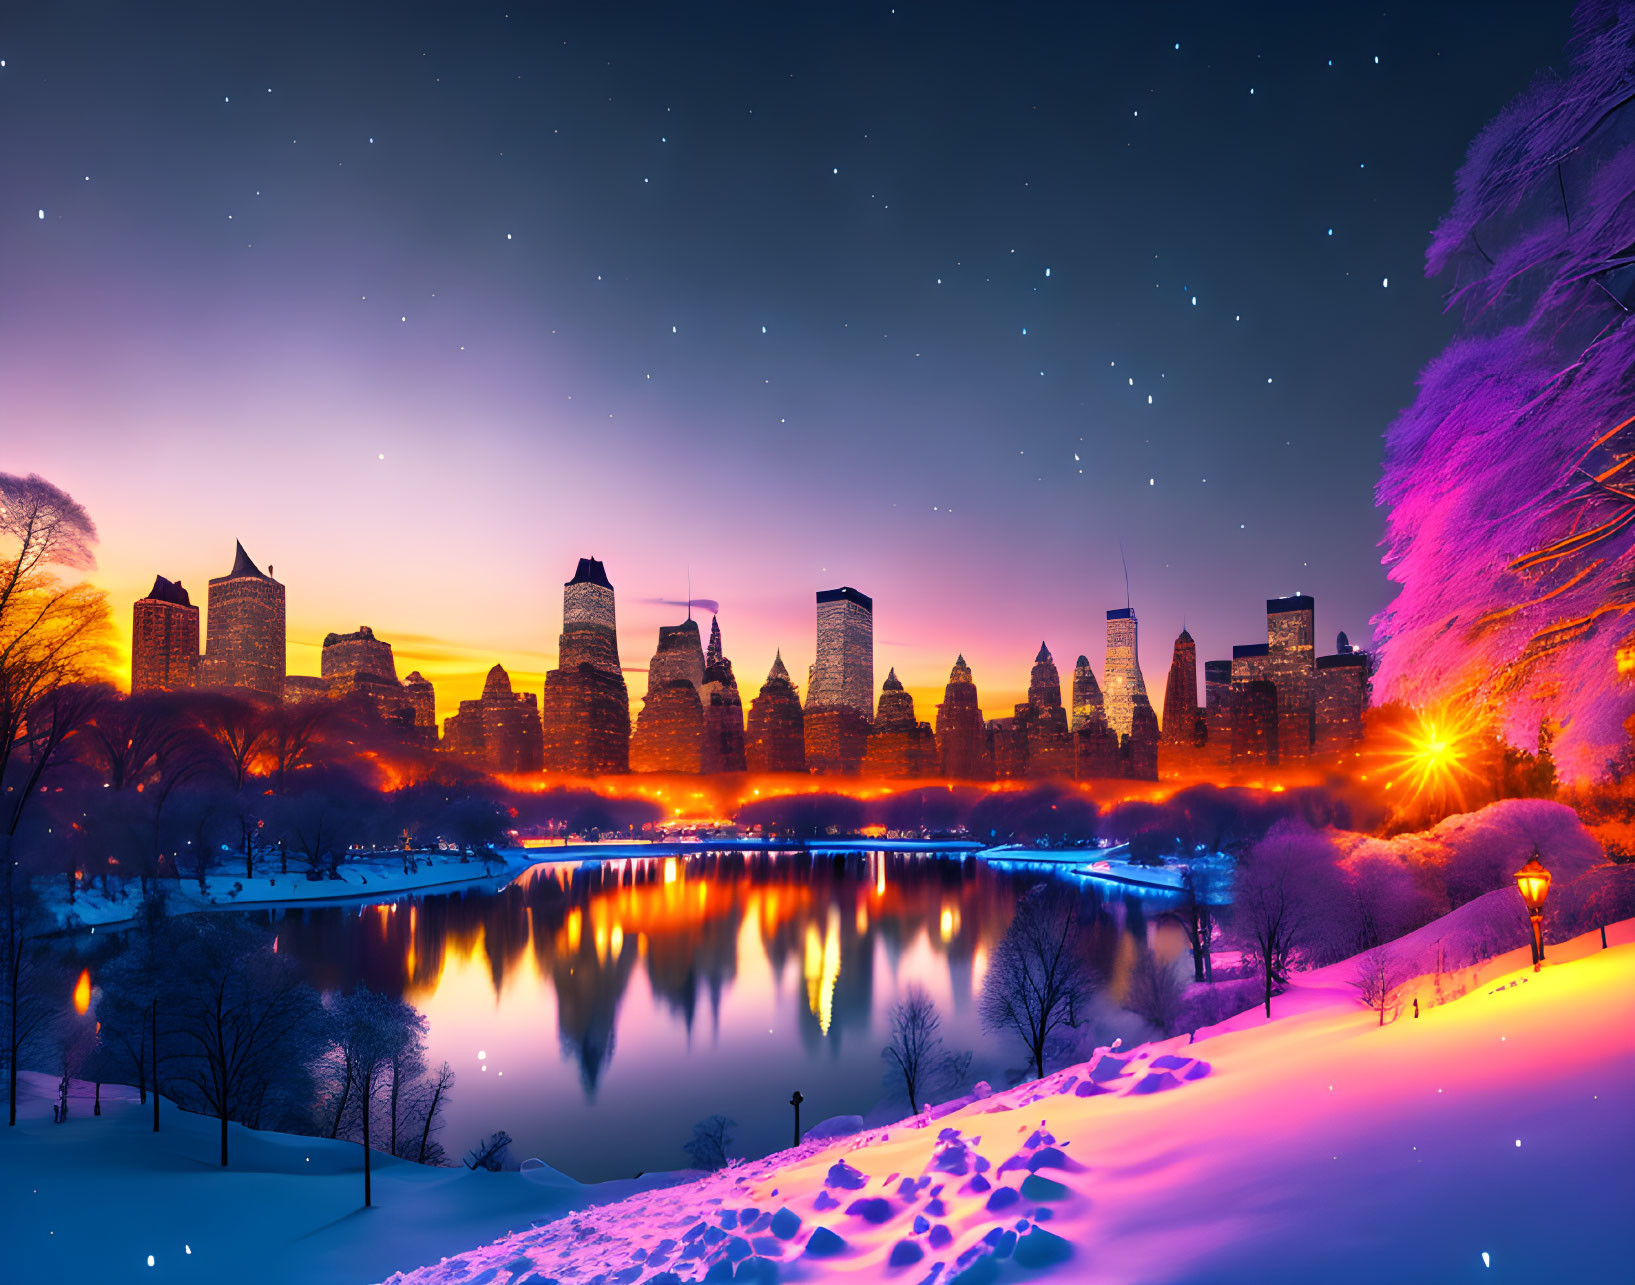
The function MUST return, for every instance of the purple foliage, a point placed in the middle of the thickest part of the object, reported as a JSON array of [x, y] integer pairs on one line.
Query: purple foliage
[[1510, 482]]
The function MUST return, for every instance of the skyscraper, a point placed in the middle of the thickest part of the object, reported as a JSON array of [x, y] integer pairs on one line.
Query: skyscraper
[[843, 673], [1138, 751], [361, 665], [1342, 699], [1218, 709], [1254, 723], [1183, 732], [723, 710], [1122, 672], [346, 656], [590, 633], [960, 739], [1043, 721], [244, 630], [586, 707], [422, 697], [164, 639], [776, 737], [1292, 667], [899, 745], [840, 695], [669, 734], [1086, 694], [502, 729]]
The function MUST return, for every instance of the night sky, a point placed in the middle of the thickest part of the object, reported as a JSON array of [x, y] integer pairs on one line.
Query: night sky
[[942, 302]]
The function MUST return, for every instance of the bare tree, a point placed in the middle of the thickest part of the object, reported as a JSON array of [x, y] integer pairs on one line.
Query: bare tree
[[240, 1016], [1040, 977], [708, 1146], [1284, 898], [34, 998], [916, 1055], [371, 1033], [1379, 981], [1156, 993], [437, 1089], [241, 729], [54, 633]]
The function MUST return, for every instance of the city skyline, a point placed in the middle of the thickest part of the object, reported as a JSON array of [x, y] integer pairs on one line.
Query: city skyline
[[999, 692], [693, 296]]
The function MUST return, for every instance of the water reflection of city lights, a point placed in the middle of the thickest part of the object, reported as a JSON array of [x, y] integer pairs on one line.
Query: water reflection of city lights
[[821, 968]]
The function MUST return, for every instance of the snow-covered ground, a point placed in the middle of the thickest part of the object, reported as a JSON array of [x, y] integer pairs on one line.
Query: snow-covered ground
[[1488, 1139], [362, 878], [89, 1200]]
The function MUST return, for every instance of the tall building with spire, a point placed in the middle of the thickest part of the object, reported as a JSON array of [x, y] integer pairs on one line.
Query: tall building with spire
[[899, 745], [1043, 721], [1122, 672], [776, 737], [961, 742], [723, 710], [1086, 695], [586, 706], [164, 639], [1183, 733], [244, 630]]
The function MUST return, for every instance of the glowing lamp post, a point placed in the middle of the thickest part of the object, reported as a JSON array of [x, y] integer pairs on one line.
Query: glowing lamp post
[[1534, 881]]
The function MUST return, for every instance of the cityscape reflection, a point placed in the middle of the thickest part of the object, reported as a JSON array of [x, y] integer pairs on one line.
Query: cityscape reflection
[[655, 991]]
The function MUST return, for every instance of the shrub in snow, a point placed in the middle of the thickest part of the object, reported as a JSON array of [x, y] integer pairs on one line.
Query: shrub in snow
[[1208, 1004], [708, 1145], [491, 1153], [1156, 993]]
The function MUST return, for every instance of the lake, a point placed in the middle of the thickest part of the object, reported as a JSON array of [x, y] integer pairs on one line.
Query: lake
[[595, 1012]]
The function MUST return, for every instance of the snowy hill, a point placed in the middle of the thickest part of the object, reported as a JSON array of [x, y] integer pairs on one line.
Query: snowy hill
[[1486, 1140]]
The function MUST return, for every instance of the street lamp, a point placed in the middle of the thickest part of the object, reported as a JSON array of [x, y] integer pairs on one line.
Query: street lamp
[[1534, 881]]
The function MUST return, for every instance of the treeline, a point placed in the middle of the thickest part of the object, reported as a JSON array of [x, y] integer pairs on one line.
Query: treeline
[[180, 785], [203, 1010], [1216, 817]]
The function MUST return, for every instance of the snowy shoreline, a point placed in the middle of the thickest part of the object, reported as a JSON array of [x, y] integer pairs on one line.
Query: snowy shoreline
[[379, 876], [362, 879]]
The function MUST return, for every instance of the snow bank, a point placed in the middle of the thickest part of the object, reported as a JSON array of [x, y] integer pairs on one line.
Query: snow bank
[[89, 1200], [1318, 1146], [1472, 853]]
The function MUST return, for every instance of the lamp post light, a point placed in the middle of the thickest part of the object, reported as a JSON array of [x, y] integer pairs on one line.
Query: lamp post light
[[1534, 882], [795, 1101]]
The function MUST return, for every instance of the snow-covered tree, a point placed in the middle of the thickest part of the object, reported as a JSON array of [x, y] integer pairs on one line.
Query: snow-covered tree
[[1510, 481]]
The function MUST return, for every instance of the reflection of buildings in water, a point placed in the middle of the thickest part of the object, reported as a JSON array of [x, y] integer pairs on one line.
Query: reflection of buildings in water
[[820, 920], [589, 985]]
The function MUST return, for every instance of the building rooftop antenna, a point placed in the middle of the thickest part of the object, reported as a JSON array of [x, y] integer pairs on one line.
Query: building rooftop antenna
[[1126, 562]]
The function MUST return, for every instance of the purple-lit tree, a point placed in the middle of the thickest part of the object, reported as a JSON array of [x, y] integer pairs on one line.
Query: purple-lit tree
[[1510, 481]]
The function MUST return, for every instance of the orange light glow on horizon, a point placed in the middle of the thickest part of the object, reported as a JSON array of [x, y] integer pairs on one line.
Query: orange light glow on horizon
[[1429, 761]]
